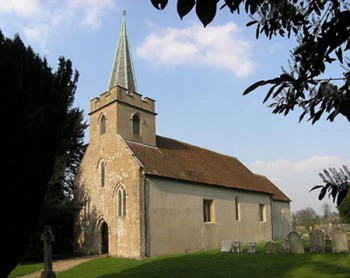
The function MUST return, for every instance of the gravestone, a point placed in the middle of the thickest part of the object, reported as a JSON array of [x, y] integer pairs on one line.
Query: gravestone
[[285, 246], [226, 246], [47, 237], [296, 243], [237, 247], [270, 247], [317, 241], [252, 247], [339, 241]]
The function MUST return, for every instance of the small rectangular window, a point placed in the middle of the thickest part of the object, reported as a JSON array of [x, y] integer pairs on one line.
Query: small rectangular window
[[208, 210], [261, 212], [237, 216]]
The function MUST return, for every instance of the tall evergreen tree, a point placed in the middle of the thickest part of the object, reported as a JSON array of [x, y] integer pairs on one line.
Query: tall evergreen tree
[[37, 131]]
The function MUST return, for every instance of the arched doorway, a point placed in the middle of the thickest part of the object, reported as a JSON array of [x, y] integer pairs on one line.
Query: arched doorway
[[104, 238]]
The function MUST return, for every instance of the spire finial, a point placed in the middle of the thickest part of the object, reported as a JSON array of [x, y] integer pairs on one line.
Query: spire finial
[[124, 13]]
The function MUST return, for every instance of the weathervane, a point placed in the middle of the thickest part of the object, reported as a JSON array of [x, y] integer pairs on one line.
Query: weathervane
[[124, 12]]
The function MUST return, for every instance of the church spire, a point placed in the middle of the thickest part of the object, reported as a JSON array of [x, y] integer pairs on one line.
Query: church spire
[[123, 70]]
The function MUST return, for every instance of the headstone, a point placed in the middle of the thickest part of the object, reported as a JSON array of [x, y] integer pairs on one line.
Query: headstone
[[339, 241], [296, 243], [226, 246], [237, 247], [270, 247], [252, 247], [317, 241], [47, 238], [285, 246]]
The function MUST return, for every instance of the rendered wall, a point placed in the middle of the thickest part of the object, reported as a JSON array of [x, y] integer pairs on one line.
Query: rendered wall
[[281, 216], [175, 217]]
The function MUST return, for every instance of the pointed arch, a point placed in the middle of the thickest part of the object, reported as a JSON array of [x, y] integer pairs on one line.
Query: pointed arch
[[102, 235], [137, 122], [120, 194], [101, 166], [102, 124], [85, 201]]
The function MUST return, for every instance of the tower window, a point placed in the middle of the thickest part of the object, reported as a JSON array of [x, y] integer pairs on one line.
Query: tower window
[[103, 125], [122, 202], [102, 174], [136, 125]]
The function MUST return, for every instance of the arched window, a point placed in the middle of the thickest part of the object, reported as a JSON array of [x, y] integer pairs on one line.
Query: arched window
[[85, 205], [103, 174], [136, 124], [121, 202], [103, 125]]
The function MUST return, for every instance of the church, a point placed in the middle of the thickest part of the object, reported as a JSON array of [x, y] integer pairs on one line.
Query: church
[[147, 195]]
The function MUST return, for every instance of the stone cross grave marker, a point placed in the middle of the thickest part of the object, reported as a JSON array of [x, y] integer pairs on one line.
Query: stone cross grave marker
[[317, 241], [339, 241], [296, 243], [237, 247], [47, 237], [252, 247], [270, 247], [226, 246]]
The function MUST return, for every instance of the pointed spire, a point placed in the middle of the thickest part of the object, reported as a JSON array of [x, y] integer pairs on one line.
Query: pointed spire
[[123, 70]]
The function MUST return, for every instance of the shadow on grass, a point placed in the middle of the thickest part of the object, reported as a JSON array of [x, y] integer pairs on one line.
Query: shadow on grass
[[239, 265], [216, 264]]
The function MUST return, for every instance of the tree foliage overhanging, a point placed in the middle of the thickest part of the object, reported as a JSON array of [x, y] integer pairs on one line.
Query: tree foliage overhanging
[[336, 184], [40, 136], [322, 31]]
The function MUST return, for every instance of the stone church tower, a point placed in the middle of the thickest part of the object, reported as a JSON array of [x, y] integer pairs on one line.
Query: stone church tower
[[148, 195], [105, 184]]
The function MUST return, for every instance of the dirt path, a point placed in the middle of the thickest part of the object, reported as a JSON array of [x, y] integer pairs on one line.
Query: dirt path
[[62, 265]]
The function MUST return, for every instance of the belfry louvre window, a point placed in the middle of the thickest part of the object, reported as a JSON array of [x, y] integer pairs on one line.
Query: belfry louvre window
[[136, 125], [103, 174], [208, 210]]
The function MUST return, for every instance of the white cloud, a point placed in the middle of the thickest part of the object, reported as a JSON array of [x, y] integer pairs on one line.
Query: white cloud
[[53, 17], [92, 10], [38, 33], [22, 8], [295, 179], [220, 47]]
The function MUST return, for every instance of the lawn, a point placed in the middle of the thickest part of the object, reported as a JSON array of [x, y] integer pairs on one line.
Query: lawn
[[213, 263]]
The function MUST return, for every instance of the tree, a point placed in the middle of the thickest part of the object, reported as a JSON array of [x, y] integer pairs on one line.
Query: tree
[[322, 31], [60, 203], [336, 183], [344, 209], [326, 208], [306, 217], [35, 104]]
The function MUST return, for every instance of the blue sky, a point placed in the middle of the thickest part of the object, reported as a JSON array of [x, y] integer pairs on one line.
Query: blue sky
[[196, 75]]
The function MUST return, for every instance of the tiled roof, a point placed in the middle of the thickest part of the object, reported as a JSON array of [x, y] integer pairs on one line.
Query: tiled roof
[[182, 161], [277, 193]]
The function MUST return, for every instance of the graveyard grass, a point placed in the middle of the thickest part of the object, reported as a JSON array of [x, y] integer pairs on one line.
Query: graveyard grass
[[213, 263]]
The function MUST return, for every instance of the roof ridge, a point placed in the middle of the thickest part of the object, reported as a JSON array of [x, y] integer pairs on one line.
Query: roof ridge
[[202, 148]]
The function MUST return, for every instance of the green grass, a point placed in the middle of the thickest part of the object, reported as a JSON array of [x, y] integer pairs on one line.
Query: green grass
[[213, 263], [23, 269]]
